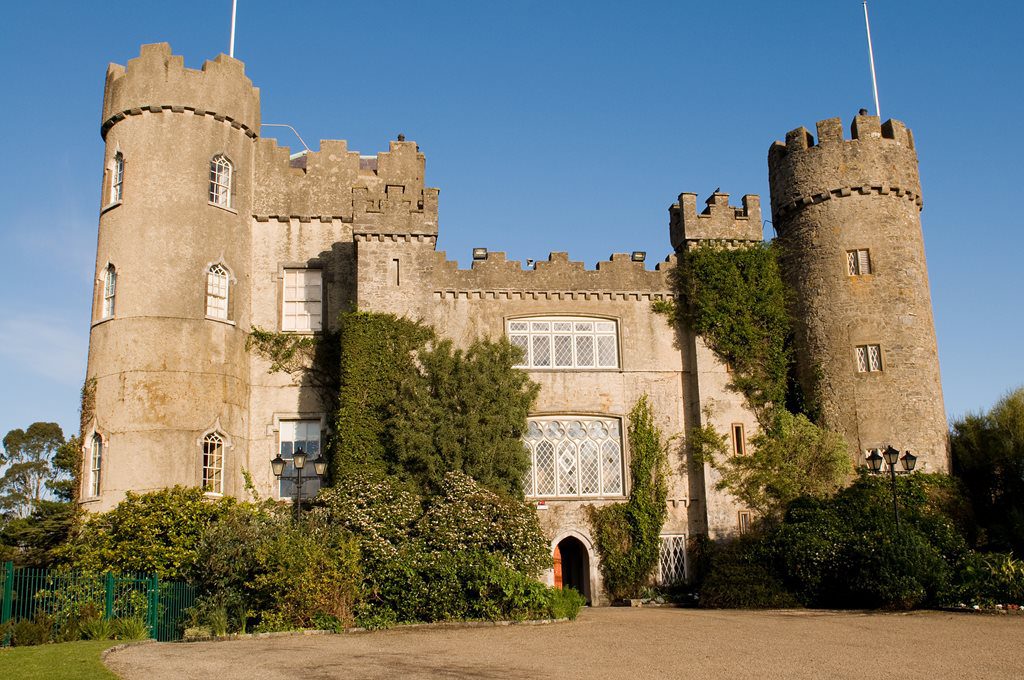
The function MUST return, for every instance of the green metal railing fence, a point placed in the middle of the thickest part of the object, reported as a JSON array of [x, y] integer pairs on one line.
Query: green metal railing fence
[[66, 597]]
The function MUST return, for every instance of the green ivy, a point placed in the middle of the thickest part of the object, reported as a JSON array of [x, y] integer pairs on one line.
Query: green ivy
[[737, 302], [627, 535]]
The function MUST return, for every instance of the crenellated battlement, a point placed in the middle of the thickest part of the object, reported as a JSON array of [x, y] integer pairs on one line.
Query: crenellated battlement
[[157, 81], [557, 276], [864, 129], [718, 221], [877, 158], [380, 194]]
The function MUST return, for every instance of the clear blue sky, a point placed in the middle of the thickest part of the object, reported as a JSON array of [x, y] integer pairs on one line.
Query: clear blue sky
[[548, 125]]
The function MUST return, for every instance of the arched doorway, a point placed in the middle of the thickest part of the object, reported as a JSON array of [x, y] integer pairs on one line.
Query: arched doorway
[[572, 566]]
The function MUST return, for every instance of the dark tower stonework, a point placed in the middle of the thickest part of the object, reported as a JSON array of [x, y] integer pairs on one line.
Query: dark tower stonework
[[847, 214]]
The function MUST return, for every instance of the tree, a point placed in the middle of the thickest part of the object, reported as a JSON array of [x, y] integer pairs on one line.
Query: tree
[[418, 408], [988, 457], [793, 457], [28, 455]]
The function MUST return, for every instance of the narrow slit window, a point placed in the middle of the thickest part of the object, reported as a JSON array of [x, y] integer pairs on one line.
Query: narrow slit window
[[743, 521], [396, 271], [739, 442]]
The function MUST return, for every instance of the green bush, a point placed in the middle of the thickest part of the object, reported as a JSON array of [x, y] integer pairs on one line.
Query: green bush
[[34, 631], [738, 579], [565, 603], [131, 628], [157, 532], [97, 629]]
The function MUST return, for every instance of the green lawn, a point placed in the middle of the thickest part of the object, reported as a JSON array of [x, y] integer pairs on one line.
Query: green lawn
[[64, 661]]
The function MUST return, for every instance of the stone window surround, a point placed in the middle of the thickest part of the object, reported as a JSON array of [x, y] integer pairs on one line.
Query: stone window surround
[[221, 194], [85, 495], [582, 316], [870, 367], [312, 263], [859, 262], [739, 443], [274, 432], [232, 280], [227, 443], [626, 461]]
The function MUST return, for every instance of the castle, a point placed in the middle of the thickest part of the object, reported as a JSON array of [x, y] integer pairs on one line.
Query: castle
[[208, 230]]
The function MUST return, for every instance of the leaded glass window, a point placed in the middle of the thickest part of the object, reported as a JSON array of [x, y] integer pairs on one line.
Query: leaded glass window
[[303, 300], [858, 262], [109, 290], [221, 172], [305, 435], [869, 358], [213, 463], [574, 456], [672, 560], [566, 342], [217, 282]]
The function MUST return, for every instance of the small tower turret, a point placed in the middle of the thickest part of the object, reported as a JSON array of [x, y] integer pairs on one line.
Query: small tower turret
[[847, 214]]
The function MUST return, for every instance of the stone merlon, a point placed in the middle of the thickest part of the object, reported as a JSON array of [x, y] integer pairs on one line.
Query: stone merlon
[[717, 222], [157, 82]]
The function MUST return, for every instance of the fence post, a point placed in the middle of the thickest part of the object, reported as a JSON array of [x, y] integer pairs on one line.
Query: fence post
[[152, 612], [5, 616], [108, 610]]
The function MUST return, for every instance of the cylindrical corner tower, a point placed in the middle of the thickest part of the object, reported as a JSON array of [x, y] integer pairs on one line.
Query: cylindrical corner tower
[[167, 346], [847, 214]]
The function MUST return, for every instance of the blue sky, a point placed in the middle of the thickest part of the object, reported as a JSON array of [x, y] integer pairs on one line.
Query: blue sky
[[547, 126]]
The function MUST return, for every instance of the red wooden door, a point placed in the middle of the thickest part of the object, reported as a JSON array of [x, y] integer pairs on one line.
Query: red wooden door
[[558, 567]]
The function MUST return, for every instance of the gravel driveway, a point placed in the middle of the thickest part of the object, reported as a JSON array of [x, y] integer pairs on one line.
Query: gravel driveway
[[621, 643]]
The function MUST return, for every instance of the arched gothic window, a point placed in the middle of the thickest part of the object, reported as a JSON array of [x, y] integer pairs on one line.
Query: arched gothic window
[[213, 463], [117, 178], [221, 171], [217, 287], [95, 464], [109, 290]]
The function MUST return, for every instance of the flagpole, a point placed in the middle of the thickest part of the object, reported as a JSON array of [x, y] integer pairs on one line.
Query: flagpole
[[871, 58], [234, 5]]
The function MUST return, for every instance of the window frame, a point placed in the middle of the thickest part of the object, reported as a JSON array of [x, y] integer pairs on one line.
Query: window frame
[[228, 279], [673, 541], [531, 486], [283, 310], [96, 454], [868, 358], [108, 293], [858, 262], [117, 179], [739, 439], [309, 473], [221, 185], [213, 483], [744, 518], [531, 333]]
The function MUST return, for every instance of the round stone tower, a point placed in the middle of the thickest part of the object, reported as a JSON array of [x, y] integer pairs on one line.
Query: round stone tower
[[847, 215], [167, 346]]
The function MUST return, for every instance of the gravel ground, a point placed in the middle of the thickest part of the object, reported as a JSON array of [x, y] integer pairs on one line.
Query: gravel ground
[[620, 643]]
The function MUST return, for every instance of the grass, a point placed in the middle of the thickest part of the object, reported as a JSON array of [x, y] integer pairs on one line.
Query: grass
[[62, 661]]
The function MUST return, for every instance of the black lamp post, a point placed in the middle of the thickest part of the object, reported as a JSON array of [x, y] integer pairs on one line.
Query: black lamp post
[[299, 461], [891, 456]]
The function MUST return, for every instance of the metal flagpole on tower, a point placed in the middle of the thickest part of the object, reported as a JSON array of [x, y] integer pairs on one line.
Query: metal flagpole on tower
[[871, 57], [234, 5]]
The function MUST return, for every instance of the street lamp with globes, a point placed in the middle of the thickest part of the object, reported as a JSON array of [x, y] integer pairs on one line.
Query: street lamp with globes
[[278, 464], [891, 456]]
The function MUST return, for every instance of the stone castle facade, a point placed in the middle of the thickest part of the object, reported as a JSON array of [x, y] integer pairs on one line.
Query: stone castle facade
[[208, 230]]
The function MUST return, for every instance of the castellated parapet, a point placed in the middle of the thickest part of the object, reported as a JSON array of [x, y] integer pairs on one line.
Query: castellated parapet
[[718, 222], [381, 194], [847, 214], [157, 82]]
